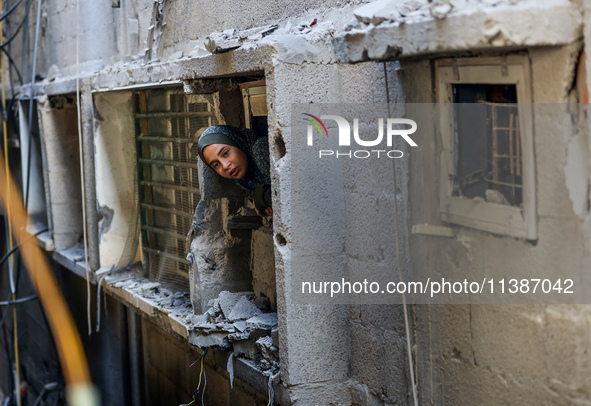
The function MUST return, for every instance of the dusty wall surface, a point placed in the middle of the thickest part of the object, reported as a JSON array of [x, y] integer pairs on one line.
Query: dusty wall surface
[[490, 354], [171, 379], [125, 30], [60, 148], [355, 354], [352, 341], [115, 178]]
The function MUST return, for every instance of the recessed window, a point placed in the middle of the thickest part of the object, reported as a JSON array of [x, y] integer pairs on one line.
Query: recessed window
[[168, 125], [487, 132]]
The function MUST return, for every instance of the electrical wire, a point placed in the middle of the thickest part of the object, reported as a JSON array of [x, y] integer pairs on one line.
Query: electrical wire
[[10, 10], [71, 352], [201, 371], [84, 233], [14, 34], [98, 302], [8, 211], [397, 239], [204, 386], [201, 374], [16, 247], [270, 389], [17, 301], [12, 63]]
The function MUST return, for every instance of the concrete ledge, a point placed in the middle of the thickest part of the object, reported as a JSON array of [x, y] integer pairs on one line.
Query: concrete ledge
[[72, 258], [529, 23], [175, 324], [172, 322]]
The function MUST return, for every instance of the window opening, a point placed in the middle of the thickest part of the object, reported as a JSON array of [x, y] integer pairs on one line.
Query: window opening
[[487, 166], [168, 125], [489, 143]]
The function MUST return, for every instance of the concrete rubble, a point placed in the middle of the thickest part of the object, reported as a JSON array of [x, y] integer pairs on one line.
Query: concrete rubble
[[294, 44], [218, 42], [233, 321], [237, 321]]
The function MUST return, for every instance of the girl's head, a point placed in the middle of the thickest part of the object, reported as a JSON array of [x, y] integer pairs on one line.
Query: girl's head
[[219, 148]]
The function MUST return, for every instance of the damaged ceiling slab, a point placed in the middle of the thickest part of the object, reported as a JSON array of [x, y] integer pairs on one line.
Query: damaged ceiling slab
[[388, 29]]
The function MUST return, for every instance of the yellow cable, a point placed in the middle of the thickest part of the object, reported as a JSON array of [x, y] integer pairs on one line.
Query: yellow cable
[[5, 132], [68, 342], [201, 372]]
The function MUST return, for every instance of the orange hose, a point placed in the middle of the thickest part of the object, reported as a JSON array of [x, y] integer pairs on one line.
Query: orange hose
[[69, 345]]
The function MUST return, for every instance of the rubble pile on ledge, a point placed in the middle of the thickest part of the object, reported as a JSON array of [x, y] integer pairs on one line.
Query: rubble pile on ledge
[[236, 320]]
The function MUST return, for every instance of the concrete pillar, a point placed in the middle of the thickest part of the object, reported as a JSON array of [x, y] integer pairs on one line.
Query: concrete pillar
[[59, 134], [87, 117], [314, 340]]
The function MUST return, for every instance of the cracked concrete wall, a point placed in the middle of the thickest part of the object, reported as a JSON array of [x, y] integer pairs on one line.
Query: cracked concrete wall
[[60, 146], [494, 354], [125, 30], [337, 354], [357, 352], [116, 178]]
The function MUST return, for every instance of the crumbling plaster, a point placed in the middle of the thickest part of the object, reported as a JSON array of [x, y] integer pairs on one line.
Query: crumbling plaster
[[311, 363], [124, 30], [382, 33], [490, 354], [323, 350]]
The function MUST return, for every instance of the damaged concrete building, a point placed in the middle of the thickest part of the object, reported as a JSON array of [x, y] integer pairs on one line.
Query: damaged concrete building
[[170, 275]]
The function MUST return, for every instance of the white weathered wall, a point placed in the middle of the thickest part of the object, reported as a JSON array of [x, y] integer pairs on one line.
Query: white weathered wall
[[356, 354], [495, 354]]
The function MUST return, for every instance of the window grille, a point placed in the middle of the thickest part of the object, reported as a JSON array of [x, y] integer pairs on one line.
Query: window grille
[[487, 165], [168, 124], [488, 142]]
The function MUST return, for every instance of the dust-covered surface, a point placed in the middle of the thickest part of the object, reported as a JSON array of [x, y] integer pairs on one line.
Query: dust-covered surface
[[387, 29], [236, 322]]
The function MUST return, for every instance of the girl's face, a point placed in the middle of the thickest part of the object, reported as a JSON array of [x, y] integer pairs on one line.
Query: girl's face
[[230, 162]]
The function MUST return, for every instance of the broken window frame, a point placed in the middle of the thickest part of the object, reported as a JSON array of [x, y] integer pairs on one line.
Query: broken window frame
[[477, 213], [178, 114]]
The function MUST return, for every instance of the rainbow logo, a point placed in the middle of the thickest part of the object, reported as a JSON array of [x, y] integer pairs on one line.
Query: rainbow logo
[[315, 124]]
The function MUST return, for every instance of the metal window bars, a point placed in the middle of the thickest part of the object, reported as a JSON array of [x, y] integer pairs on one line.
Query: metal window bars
[[167, 124], [505, 156]]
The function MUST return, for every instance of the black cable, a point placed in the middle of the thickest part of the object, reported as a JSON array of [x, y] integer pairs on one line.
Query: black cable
[[10, 10], [7, 350], [11, 61], [5, 43], [9, 253], [17, 301]]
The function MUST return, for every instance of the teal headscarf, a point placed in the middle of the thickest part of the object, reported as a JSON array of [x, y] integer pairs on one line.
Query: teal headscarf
[[254, 145], [209, 138]]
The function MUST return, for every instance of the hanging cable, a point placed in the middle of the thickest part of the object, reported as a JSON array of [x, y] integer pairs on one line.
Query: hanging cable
[[10, 10], [14, 34], [11, 61], [270, 389], [16, 247], [8, 212], [397, 240], [201, 374], [98, 302], [84, 233], [204, 386], [17, 301]]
